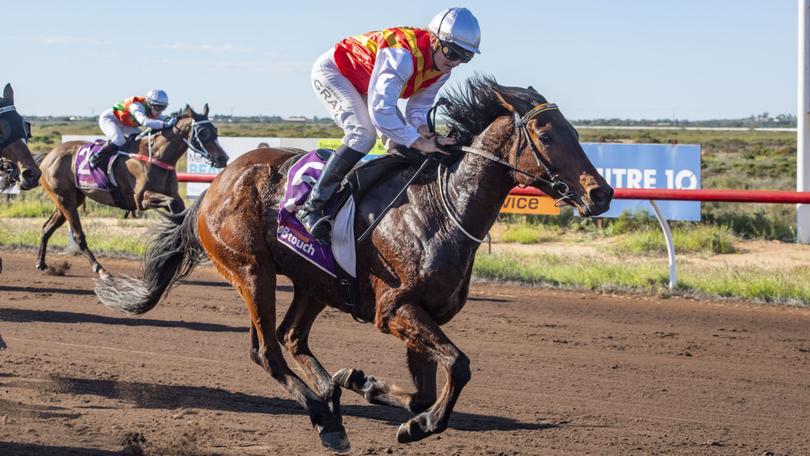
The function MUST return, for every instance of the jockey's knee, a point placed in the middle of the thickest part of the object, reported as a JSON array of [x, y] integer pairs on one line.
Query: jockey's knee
[[118, 139], [361, 139]]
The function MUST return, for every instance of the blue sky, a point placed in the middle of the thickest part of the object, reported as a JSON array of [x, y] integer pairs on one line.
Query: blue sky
[[689, 59]]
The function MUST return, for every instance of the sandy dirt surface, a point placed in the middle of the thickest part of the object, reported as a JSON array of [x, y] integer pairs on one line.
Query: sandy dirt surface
[[553, 373]]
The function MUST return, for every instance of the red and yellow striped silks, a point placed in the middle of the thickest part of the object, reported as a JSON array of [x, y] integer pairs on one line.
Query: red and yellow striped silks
[[355, 57]]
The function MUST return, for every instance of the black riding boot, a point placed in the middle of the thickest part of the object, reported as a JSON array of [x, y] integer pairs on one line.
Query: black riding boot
[[311, 214], [100, 156]]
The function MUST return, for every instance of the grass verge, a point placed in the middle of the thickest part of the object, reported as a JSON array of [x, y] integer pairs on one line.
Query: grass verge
[[646, 275], [99, 237], [622, 273]]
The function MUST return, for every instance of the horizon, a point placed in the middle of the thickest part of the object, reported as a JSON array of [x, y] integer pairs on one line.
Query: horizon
[[623, 60]]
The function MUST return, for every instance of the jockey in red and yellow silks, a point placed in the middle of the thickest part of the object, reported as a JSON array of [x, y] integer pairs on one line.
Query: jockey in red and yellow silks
[[355, 57], [123, 120], [361, 80]]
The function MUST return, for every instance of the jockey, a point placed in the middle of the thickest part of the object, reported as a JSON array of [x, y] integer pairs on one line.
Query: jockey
[[360, 80], [124, 119]]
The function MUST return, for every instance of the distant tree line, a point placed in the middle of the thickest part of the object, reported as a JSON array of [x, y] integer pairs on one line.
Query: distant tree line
[[753, 121]]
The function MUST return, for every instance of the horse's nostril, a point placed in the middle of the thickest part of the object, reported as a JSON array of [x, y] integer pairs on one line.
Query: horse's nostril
[[600, 195], [29, 173]]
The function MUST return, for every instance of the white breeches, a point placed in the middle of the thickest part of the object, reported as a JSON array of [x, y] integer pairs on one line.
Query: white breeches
[[113, 129], [344, 103]]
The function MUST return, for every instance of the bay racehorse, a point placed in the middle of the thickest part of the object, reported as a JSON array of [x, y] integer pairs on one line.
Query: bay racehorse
[[414, 270], [145, 180], [16, 162]]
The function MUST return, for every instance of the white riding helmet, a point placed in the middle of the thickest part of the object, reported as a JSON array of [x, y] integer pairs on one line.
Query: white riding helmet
[[457, 26], [157, 99]]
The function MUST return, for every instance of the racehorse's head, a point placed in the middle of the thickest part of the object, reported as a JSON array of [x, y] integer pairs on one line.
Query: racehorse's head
[[201, 136], [537, 141], [14, 135]]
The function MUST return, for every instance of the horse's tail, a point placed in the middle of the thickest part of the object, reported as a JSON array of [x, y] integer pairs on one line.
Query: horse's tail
[[171, 254]]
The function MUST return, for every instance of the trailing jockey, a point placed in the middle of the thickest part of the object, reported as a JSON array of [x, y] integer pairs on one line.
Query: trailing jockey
[[123, 120], [360, 80]]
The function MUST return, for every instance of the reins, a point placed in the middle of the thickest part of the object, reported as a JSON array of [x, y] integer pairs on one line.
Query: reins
[[149, 134], [522, 132]]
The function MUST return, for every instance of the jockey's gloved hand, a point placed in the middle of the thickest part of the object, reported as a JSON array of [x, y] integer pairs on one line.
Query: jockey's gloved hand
[[170, 122]]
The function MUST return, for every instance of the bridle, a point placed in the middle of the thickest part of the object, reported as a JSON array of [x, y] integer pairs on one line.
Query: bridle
[[21, 131], [553, 180], [195, 145]]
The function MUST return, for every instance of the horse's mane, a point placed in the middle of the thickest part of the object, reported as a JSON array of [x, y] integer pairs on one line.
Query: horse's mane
[[473, 105]]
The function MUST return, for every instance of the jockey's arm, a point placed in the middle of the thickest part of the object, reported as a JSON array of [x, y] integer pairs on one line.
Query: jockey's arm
[[138, 111], [420, 103], [391, 72]]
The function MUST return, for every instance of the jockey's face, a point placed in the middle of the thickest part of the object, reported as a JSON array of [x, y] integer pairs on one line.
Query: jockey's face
[[156, 110], [442, 63], [445, 57]]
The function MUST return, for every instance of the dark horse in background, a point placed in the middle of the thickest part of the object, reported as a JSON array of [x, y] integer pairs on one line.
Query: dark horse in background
[[414, 271], [16, 162], [146, 179]]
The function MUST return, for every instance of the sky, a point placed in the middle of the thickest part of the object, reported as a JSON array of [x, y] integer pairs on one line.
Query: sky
[[686, 59]]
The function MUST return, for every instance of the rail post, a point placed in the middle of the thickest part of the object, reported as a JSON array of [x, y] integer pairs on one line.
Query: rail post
[[803, 123]]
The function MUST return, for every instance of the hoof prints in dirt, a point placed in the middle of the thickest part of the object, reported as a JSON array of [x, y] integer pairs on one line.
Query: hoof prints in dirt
[[59, 270], [135, 444]]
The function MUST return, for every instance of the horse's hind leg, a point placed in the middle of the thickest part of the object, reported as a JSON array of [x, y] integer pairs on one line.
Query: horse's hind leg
[[423, 335], [257, 287], [71, 213], [56, 220], [423, 373], [293, 333]]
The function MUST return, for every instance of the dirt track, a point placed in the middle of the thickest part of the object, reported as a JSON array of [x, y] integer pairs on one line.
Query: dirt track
[[553, 373]]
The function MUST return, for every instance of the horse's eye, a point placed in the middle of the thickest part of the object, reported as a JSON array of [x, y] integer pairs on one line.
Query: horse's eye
[[545, 139]]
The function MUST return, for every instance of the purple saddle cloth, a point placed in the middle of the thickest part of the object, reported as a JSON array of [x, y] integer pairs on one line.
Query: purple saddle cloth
[[301, 177], [93, 178]]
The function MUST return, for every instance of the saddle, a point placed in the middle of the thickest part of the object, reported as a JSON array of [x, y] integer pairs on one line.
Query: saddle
[[337, 259], [101, 178]]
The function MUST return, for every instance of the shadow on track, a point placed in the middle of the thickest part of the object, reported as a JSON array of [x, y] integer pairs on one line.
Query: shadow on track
[[67, 291], [54, 316], [156, 396], [25, 449]]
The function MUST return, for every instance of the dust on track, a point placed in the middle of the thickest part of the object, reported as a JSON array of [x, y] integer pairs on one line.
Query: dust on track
[[553, 373]]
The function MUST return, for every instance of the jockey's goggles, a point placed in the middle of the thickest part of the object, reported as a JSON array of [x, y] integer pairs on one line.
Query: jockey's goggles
[[158, 108], [456, 53]]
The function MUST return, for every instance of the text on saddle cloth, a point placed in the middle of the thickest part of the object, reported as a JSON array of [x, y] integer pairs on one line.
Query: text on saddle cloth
[[301, 177], [99, 178]]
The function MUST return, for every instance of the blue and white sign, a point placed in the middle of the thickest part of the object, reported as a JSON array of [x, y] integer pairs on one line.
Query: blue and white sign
[[663, 166]]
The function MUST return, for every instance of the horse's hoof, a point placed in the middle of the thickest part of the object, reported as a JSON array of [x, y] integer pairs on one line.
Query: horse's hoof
[[41, 266], [411, 431], [349, 378], [336, 441], [104, 275]]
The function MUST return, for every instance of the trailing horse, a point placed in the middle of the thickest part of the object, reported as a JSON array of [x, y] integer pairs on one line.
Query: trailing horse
[[413, 271], [146, 179], [16, 163]]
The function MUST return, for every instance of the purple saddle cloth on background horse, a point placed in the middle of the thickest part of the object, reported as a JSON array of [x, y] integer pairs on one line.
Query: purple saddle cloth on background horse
[[99, 178]]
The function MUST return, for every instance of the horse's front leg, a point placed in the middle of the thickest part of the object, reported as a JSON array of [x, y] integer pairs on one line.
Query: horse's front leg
[[423, 335], [153, 200], [423, 373]]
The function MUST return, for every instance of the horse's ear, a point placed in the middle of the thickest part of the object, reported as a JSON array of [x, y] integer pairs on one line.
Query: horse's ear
[[8, 93], [510, 101], [531, 89], [205, 110], [188, 112]]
